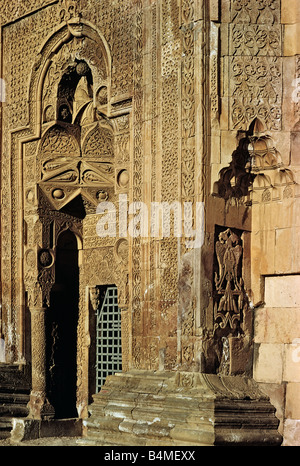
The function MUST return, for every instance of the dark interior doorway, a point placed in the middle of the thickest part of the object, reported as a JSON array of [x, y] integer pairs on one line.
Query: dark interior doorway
[[62, 328]]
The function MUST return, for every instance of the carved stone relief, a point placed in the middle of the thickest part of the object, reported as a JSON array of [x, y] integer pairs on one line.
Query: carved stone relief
[[255, 74], [13, 10], [296, 92], [74, 158], [249, 11], [230, 296], [137, 178], [255, 40], [256, 171], [256, 88]]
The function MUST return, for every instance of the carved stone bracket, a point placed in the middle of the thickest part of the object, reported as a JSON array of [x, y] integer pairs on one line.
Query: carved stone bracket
[[94, 293]]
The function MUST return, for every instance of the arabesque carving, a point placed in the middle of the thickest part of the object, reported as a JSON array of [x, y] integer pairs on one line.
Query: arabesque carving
[[255, 70], [256, 89], [70, 168], [252, 11]]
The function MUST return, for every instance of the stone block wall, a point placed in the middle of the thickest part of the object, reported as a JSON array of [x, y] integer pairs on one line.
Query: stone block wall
[[277, 351]]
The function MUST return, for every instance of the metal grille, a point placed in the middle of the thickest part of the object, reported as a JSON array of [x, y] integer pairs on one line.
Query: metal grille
[[108, 338]]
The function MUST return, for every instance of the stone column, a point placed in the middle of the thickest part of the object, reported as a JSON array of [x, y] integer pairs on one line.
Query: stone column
[[39, 406]]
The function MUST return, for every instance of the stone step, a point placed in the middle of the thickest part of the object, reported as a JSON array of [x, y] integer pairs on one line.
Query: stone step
[[95, 438], [9, 367], [176, 409], [141, 433], [245, 414], [5, 427], [14, 396], [165, 418], [13, 410], [12, 379]]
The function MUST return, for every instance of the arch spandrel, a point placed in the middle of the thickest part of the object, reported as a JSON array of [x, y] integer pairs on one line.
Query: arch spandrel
[[99, 143], [59, 140]]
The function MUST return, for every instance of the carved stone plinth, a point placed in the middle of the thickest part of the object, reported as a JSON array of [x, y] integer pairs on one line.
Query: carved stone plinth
[[164, 408]]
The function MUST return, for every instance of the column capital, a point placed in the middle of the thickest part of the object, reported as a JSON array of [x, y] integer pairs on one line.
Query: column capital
[[38, 309]]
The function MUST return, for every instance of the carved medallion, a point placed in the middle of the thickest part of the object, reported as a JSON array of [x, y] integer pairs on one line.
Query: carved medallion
[[45, 258]]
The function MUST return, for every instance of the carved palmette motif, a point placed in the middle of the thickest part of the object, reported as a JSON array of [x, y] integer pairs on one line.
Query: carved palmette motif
[[256, 89], [255, 67], [262, 11], [229, 296]]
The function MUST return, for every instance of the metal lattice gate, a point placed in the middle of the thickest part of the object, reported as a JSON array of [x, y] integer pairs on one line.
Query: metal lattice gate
[[108, 338]]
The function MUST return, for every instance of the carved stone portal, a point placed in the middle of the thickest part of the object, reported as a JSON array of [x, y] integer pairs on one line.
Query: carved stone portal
[[74, 169]]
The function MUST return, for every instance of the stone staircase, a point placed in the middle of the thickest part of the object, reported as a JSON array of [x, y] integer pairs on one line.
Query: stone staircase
[[187, 409], [14, 396]]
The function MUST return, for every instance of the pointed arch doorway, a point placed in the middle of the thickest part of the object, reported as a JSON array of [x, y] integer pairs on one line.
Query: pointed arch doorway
[[62, 328]]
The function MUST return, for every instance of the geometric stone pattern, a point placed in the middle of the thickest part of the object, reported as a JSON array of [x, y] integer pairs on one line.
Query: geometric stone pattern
[[255, 75]]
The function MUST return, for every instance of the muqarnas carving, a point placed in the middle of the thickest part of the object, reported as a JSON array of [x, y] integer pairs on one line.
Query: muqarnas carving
[[230, 299], [235, 180], [256, 172]]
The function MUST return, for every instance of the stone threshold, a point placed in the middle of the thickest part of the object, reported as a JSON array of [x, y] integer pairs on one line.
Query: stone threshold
[[24, 429]]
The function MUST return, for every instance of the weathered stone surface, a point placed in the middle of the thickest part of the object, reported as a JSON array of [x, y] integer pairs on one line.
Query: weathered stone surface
[[270, 327], [150, 148], [14, 397], [292, 433], [29, 429], [181, 409], [282, 291], [292, 400], [268, 365]]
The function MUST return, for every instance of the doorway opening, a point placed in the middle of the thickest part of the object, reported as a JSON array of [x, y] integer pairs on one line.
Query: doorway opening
[[62, 328], [108, 336]]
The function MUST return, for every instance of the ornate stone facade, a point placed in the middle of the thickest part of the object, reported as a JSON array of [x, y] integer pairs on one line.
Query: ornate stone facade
[[188, 105]]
